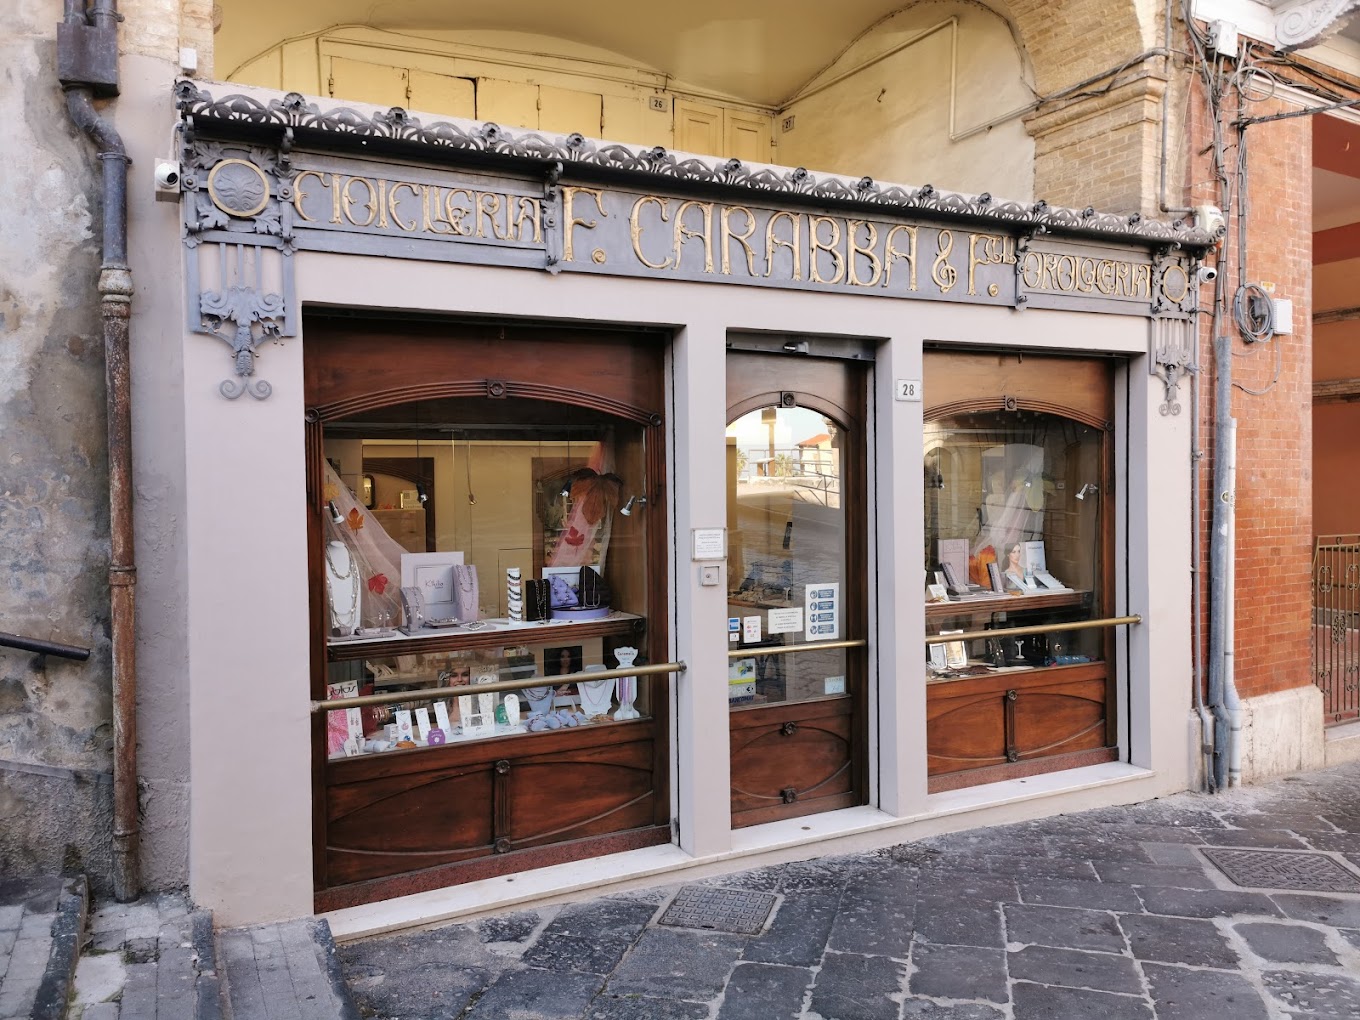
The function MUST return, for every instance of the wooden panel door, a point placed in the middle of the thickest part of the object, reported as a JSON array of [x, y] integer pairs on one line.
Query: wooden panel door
[[747, 136], [362, 82], [568, 110], [698, 128], [796, 577], [512, 103], [443, 93]]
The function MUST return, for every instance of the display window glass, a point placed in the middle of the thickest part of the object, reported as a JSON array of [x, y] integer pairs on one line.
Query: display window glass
[[477, 540], [1014, 508], [1019, 551], [786, 555]]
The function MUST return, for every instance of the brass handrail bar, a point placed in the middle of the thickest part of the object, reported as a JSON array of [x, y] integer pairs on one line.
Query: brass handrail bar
[[440, 693], [811, 646], [979, 635]]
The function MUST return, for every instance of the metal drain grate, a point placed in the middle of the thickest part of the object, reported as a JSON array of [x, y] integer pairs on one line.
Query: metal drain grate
[[1277, 869], [738, 911]]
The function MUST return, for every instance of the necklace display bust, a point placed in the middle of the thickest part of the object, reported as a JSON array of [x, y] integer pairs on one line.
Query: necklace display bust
[[597, 696]]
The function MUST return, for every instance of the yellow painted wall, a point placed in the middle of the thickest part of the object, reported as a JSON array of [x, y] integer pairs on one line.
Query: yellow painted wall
[[882, 109]]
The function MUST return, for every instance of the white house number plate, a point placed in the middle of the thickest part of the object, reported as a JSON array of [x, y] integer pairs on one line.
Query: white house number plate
[[908, 389]]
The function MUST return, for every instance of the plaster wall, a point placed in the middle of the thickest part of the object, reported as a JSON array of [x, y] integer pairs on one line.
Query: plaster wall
[[259, 809], [892, 105], [55, 737]]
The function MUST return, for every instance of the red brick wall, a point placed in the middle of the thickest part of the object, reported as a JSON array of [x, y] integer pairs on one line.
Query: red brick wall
[[1274, 433]]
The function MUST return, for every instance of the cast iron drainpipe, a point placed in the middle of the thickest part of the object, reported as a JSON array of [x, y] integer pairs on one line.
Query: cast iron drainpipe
[[115, 299]]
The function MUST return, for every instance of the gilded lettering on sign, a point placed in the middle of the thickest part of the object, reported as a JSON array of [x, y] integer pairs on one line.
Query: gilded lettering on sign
[[570, 221], [944, 275], [994, 251], [635, 229], [794, 242], [1079, 274], [706, 239], [869, 250], [412, 208], [831, 247], [705, 232], [729, 235], [892, 254]]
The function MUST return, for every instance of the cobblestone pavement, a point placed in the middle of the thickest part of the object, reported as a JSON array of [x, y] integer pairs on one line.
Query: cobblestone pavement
[[149, 960], [27, 909], [1119, 913]]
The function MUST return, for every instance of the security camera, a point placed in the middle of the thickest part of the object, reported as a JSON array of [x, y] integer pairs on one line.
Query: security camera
[[1207, 274], [167, 180]]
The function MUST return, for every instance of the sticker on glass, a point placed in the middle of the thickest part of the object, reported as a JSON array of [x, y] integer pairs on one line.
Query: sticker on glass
[[823, 605]]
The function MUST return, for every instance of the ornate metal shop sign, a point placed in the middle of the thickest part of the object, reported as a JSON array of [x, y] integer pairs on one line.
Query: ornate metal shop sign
[[248, 207]]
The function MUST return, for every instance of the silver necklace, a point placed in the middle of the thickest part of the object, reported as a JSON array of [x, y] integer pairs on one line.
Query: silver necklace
[[349, 569], [353, 579]]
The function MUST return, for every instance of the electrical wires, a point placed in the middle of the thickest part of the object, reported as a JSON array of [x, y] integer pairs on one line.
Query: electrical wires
[[1254, 313]]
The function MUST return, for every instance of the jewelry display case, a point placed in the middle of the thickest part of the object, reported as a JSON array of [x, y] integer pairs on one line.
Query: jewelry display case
[[1017, 564], [471, 736]]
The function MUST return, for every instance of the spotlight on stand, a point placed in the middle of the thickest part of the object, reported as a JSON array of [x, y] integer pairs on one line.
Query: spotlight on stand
[[1087, 490], [627, 508], [336, 516]]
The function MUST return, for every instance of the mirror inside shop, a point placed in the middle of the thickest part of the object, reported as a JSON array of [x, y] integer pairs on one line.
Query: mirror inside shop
[[1014, 513], [477, 542]]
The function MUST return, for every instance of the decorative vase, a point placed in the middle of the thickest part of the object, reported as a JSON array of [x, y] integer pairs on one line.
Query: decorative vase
[[627, 689]]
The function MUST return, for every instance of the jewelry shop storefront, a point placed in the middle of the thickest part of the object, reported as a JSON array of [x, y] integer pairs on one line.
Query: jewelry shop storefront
[[566, 514]]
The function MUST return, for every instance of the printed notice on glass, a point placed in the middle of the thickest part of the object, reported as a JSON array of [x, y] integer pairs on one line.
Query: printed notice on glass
[[786, 621], [709, 544], [823, 611], [750, 628]]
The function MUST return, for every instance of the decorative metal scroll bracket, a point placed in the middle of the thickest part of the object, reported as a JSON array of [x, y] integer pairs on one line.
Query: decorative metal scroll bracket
[[1172, 358], [1171, 289], [1308, 22], [238, 232]]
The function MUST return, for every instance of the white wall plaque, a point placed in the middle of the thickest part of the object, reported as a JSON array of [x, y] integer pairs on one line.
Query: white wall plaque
[[710, 544]]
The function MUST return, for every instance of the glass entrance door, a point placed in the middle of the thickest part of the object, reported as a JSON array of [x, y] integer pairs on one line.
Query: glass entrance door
[[797, 584]]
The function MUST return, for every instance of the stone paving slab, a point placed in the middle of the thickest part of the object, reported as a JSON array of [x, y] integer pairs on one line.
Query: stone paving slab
[[40, 923], [1112, 914], [155, 959]]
